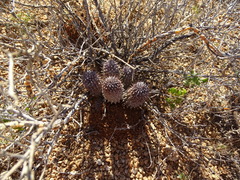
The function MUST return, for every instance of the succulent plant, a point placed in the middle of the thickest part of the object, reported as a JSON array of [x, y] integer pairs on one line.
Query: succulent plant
[[92, 83], [112, 89], [127, 76], [137, 94], [110, 68]]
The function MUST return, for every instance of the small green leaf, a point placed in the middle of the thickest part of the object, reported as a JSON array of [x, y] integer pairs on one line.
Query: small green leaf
[[177, 92], [176, 96], [4, 120], [192, 79], [182, 176], [204, 80], [19, 128], [172, 90]]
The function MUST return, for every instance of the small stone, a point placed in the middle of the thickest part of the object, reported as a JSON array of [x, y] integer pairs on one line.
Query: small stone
[[108, 168], [139, 175], [99, 162], [134, 171]]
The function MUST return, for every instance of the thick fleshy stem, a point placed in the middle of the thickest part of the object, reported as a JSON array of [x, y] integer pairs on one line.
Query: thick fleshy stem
[[92, 83], [110, 68], [112, 89], [137, 95], [127, 76]]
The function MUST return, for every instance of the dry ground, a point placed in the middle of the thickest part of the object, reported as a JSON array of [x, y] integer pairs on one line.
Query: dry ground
[[51, 128]]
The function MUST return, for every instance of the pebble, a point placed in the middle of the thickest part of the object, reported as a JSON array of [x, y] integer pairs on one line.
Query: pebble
[[108, 168], [99, 162], [139, 175], [134, 171]]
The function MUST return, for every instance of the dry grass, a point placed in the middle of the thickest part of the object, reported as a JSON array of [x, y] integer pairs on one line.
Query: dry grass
[[186, 51]]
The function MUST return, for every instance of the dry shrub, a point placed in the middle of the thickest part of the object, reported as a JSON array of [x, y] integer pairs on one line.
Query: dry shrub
[[187, 51]]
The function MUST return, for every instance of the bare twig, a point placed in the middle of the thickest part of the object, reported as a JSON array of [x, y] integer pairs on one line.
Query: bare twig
[[11, 90]]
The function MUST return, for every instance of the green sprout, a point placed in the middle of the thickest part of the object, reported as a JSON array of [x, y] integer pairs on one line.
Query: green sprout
[[3, 142], [4, 120], [193, 79], [182, 176], [175, 96], [19, 128], [196, 9], [24, 16]]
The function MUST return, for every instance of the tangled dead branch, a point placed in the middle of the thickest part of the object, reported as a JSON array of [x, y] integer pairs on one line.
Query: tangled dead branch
[[50, 127]]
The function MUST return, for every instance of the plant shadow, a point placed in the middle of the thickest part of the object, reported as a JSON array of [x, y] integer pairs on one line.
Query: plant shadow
[[125, 140]]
